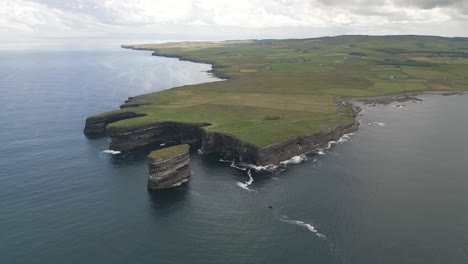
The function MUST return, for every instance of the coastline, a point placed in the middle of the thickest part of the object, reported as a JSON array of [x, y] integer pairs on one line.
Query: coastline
[[225, 144], [213, 71], [230, 147]]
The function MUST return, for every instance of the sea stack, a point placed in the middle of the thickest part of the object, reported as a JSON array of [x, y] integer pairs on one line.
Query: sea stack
[[168, 167]]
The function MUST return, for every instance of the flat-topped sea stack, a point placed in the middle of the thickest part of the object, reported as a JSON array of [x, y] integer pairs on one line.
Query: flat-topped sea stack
[[168, 167]]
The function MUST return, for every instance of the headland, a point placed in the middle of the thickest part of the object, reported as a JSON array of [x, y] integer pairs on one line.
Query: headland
[[282, 98]]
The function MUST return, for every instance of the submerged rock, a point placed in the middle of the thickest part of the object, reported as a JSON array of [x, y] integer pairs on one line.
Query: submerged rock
[[168, 167]]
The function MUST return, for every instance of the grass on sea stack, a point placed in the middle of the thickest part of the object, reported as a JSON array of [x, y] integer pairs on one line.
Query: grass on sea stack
[[165, 152], [299, 82]]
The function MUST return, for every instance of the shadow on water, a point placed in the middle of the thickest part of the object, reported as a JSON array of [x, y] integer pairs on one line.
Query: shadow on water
[[164, 201], [142, 153]]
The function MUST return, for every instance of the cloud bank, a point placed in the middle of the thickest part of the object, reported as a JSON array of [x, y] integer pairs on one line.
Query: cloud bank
[[223, 19]]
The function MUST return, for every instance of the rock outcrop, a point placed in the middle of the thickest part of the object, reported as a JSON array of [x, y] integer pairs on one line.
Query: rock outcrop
[[97, 124], [129, 138], [168, 167]]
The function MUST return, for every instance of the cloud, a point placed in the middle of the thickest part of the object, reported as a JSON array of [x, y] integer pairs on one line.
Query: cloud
[[218, 18], [23, 17]]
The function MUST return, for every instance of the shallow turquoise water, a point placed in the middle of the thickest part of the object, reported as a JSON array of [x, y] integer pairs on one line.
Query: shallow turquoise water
[[395, 192]]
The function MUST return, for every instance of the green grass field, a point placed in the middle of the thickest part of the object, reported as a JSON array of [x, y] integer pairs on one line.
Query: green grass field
[[278, 89], [169, 151]]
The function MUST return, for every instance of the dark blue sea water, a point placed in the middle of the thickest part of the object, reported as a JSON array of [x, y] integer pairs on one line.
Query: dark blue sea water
[[395, 192]]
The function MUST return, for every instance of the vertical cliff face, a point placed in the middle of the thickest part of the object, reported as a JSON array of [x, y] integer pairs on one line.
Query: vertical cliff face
[[97, 124], [125, 139], [231, 147], [168, 167], [228, 146], [275, 153]]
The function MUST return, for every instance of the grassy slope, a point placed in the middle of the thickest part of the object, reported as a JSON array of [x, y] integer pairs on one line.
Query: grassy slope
[[298, 80]]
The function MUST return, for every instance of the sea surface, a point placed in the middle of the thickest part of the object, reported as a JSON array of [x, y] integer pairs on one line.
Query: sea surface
[[394, 192]]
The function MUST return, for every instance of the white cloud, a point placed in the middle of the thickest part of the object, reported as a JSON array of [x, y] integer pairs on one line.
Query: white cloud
[[216, 18]]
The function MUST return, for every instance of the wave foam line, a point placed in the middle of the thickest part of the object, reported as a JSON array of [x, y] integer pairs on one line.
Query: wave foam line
[[245, 185], [342, 139], [310, 227], [181, 182], [294, 160], [112, 152], [376, 124]]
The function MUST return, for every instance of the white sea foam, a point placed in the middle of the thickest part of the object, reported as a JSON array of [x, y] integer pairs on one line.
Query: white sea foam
[[309, 227], [379, 124], [181, 182], [245, 185], [295, 160], [200, 151], [234, 165], [345, 138], [244, 166], [376, 124], [162, 145], [112, 152]]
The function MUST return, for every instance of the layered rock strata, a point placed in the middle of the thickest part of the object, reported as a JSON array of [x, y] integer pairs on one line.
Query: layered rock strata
[[227, 146], [168, 167], [231, 147], [129, 138]]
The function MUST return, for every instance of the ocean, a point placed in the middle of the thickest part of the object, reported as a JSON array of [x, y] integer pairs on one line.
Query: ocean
[[395, 191]]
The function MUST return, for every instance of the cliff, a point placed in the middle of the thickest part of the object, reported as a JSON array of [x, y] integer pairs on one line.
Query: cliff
[[227, 146], [129, 138], [231, 147], [97, 124], [168, 167]]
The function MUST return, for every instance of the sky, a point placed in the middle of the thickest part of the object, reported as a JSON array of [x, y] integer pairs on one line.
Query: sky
[[229, 19]]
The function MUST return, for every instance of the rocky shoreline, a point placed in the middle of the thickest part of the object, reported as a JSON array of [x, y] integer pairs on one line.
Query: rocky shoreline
[[401, 98], [227, 146], [125, 139]]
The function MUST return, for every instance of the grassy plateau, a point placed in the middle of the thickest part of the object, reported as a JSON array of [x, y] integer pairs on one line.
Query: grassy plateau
[[169, 151], [279, 89]]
